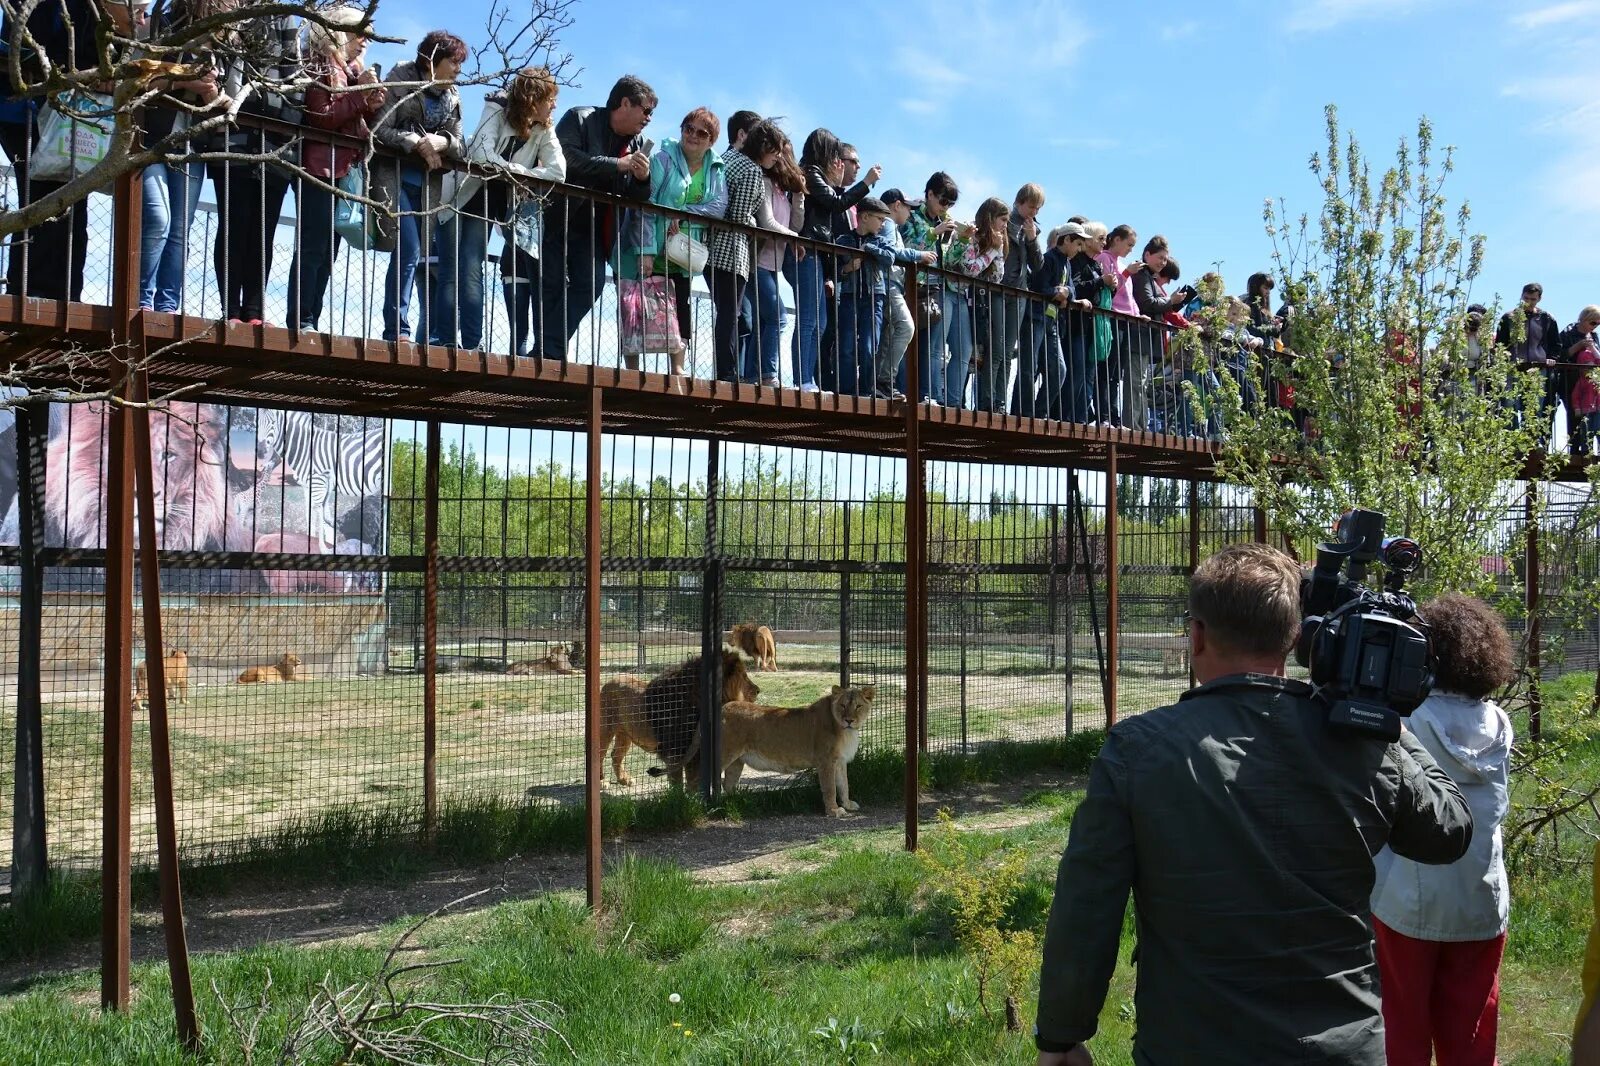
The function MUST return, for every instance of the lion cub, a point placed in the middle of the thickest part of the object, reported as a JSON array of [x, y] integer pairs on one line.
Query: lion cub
[[823, 736], [174, 668], [285, 669]]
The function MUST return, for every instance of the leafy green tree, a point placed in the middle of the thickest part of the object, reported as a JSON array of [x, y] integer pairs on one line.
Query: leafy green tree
[[1390, 412]]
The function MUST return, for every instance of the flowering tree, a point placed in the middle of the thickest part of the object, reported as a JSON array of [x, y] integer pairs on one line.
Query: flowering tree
[[1390, 404]]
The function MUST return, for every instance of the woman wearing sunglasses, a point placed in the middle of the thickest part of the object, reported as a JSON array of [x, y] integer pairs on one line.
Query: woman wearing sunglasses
[[686, 175]]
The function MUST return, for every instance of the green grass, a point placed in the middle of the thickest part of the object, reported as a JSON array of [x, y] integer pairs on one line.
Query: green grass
[[757, 967], [859, 936], [384, 843]]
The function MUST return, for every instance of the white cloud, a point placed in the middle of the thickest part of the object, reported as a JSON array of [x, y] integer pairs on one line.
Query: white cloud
[[1574, 184], [1022, 38], [919, 106], [1180, 30], [1314, 16], [1555, 14], [1573, 100]]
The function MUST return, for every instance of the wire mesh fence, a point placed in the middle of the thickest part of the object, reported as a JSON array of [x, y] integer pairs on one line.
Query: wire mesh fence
[[297, 640]]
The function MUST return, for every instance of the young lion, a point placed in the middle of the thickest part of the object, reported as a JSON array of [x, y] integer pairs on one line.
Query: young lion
[[823, 736], [757, 642], [175, 671], [285, 669]]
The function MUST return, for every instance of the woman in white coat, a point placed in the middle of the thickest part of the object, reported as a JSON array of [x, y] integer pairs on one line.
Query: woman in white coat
[[1441, 930], [514, 140]]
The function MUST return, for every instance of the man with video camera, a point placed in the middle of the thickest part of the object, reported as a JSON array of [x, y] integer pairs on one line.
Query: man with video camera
[[1244, 822]]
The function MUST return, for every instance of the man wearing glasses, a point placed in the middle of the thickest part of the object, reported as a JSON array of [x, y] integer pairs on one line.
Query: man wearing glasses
[[605, 151]]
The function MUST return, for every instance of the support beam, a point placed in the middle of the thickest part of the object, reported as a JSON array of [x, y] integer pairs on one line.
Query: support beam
[[591, 662], [160, 734], [30, 856], [116, 849], [1260, 515], [916, 569], [1530, 518], [710, 708], [1194, 559], [1113, 614], [430, 636]]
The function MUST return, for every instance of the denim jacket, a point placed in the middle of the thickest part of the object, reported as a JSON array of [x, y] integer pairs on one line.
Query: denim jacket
[[875, 264], [669, 184]]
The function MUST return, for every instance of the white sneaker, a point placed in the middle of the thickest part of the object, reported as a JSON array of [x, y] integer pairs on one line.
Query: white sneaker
[[809, 388]]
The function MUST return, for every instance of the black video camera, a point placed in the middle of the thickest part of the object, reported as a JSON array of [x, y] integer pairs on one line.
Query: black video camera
[[1370, 659]]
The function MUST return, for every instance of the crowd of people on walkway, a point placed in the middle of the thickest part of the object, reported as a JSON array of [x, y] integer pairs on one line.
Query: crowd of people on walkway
[[1076, 322]]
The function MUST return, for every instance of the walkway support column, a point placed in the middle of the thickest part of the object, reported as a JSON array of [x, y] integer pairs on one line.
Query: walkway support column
[[916, 569], [592, 754], [1113, 614], [116, 857], [430, 636]]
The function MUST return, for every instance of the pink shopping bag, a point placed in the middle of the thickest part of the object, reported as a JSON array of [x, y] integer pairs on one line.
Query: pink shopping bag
[[649, 317]]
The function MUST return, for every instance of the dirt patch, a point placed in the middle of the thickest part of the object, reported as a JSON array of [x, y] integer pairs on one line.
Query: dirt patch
[[720, 851]]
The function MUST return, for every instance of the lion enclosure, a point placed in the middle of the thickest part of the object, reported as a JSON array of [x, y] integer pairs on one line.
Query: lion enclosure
[[695, 539], [809, 544]]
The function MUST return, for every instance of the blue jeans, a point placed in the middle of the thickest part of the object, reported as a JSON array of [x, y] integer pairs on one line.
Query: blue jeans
[[461, 242], [1075, 390], [811, 317], [958, 337], [1009, 314], [1039, 355], [403, 263], [312, 267], [759, 360], [171, 196], [932, 375], [860, 326]]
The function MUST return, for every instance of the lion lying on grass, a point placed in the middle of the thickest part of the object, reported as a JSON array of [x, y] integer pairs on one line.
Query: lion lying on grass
[[555, 661], [757, 642], [175, 670], [285, 669], [823, 736], [668, 719]]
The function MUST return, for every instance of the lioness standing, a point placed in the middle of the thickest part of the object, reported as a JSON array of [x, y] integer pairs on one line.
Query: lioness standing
[[175, 671], [823, 736]]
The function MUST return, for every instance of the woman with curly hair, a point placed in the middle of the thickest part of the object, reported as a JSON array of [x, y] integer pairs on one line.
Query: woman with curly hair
[[1441, 930]]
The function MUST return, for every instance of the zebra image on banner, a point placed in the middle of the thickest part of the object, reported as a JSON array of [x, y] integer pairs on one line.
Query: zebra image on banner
[[226, 479]]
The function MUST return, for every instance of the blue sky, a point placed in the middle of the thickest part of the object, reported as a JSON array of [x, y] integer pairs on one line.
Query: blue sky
[[1178, 118]]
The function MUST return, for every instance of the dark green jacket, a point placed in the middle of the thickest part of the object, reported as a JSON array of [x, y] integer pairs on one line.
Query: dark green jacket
[[1245, 829]]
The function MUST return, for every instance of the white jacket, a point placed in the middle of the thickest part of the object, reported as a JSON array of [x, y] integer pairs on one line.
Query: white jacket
[[539, 157], [1469, 899]]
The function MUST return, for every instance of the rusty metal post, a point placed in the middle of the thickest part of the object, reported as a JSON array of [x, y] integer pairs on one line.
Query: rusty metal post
[[591, 663], [1260, 515], [916, 570], [844, 606], [160, 734], [1530, 517], [116, 856], [1113, 614], [430, 636], [30, 855], [1194, 558]]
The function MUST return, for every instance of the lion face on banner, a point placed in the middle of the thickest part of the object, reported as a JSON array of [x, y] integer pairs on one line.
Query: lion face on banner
[[190, 483]]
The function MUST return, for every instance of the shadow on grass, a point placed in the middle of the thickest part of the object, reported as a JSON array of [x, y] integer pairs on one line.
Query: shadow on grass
[[386, 845]]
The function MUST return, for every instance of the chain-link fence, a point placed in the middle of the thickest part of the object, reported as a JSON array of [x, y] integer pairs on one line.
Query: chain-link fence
[[298, 690]]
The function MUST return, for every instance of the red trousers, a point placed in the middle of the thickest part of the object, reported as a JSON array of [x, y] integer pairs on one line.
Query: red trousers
[[1439, 997]]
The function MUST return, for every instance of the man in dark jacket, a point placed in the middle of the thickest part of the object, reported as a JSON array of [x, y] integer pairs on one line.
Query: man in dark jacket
[[605, 152], [1532, 336], [1245, 826]]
